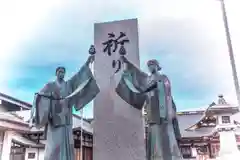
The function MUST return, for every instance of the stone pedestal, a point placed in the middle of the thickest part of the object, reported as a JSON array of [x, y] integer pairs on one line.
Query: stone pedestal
[[228, 144]]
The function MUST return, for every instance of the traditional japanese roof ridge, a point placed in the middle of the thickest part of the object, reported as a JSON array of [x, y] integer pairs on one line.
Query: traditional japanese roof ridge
[[190, 128], [26, 141], [79, 117], [219, 107], [87, 127], [11, 117], [24, 115], [222, 103], [16, 115], [208, 131], [186, 120], [15, 101], [213, 106], [190, 112], [198, 110], [90, 120], [11, 122]]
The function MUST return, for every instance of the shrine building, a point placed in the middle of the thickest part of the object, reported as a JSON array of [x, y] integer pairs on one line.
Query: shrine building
[[207, 133], [20, 142], [203, 131]]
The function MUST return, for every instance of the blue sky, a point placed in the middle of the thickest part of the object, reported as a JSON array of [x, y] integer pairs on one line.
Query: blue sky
[[186, 36]]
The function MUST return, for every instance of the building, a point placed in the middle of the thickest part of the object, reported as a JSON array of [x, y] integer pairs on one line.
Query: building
[[201, 131], [20, 142]]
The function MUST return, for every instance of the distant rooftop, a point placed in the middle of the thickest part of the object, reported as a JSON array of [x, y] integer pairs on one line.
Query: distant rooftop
[[222, 104], [15, 101]]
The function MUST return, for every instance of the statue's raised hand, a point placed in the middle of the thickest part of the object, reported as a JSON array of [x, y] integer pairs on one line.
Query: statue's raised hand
[[92, 50]]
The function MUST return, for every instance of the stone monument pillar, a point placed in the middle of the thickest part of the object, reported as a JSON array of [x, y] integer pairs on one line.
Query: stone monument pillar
[[118, 131]]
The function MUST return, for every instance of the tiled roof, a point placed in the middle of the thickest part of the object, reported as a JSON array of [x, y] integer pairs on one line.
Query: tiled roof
[[223, 108], [14, 101], [87, 127], [19, 138], [25, 116], [7, 116], [11, 122], [21, 117], [188, 120]]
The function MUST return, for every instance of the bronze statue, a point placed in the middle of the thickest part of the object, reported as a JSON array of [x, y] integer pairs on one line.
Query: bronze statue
[[154, 91], [52, 108]]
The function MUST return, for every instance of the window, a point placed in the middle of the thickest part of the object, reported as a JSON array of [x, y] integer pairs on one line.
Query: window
[[31, 155], [17, 151], [225, 119], [186, 151]]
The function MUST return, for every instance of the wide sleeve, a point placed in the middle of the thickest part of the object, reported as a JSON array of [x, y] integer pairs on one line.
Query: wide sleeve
[[41, 107], [132, 85], [175, 123], [138, 78], [83, 86]]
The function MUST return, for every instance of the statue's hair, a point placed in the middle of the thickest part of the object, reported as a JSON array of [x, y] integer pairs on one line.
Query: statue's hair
[[154, 62], [61, 67]]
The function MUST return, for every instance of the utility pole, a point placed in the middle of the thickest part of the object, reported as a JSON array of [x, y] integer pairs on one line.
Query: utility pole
[[230, 50], [81, 143]]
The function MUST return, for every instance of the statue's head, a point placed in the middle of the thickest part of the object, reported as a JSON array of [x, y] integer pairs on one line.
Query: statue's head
[[153, 66], [60, 73]]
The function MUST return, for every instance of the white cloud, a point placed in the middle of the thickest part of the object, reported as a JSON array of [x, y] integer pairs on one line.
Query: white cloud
[[195, 31], [188, 35], [19, 21]]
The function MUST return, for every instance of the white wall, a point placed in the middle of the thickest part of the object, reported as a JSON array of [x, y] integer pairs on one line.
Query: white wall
[[39, 153], [7, 145], [7, 148], [227, 114], [228, 143]]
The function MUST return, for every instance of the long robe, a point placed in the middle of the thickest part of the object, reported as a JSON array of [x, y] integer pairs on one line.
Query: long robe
[[162, 135], [56, 115]]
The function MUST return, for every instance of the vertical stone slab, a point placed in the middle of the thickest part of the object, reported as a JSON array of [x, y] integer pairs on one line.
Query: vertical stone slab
[[118, 129]]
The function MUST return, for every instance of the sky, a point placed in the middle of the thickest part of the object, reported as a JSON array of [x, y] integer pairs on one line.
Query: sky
[[186, 36]]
